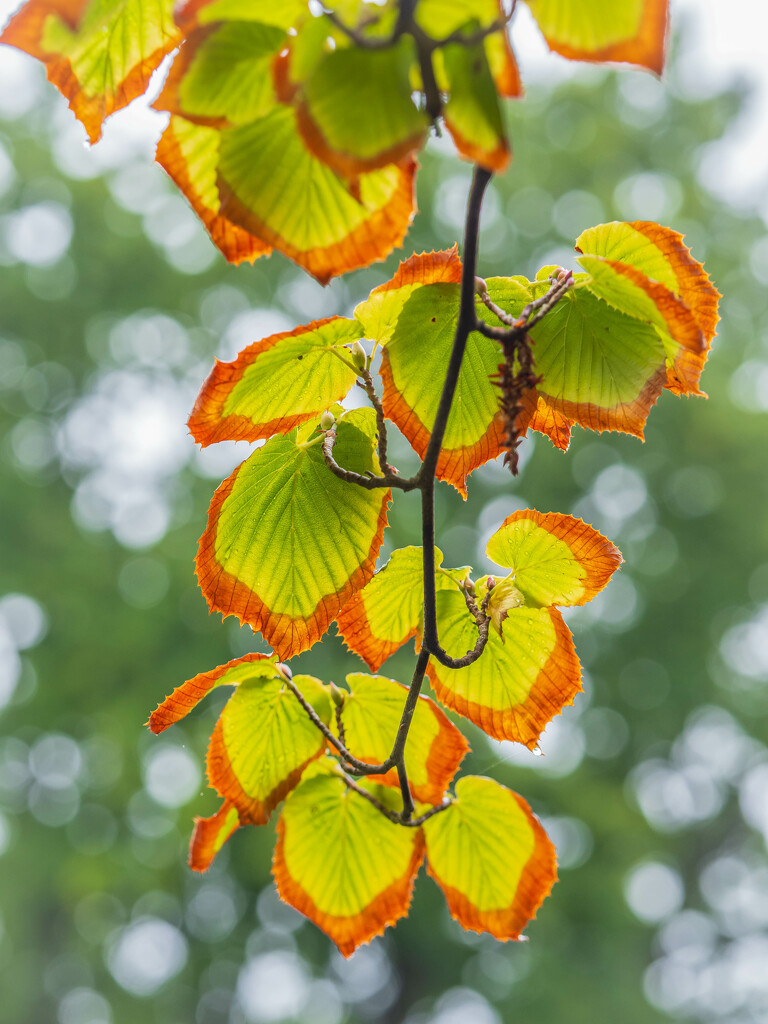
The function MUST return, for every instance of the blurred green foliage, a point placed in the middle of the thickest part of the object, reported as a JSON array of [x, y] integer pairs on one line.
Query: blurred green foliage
[[654, 784]]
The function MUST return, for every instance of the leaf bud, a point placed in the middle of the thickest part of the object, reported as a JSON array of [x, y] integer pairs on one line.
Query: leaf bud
[[337, 695], [327, 420], [359, 356], [481, 288], [284, 670], [504, 597]]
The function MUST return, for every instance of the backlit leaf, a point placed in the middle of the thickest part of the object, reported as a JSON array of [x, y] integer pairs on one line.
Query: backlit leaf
[[661, 255], [554, 558], [439, 19], [273, 187], [603, 30], [491, 857], [285, 14], [342, 863], [187, 696], [355, 111], [288, 543], [371, 715], [276, 384], [472, 113], [413, 369], [262, 743], [100, 54], [379, 312], [385, 614], [516, 686], [210, 834], [189, 153], [222, 74]]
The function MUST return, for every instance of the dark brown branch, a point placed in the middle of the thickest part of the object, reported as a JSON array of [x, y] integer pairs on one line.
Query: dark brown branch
[[370, 483]]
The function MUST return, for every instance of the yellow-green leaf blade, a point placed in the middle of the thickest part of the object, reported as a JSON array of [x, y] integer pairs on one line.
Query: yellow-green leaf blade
[[634, 31], [344, 865], [276, 384], [473, 113], [187, 696], [284, 501], [210, 834], [262, 743], [516, 686], [554, 558], [100, 54], [491, 857], [371, 715]]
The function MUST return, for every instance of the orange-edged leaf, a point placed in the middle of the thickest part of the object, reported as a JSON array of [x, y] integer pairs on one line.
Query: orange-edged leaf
[[288, 543], [187, 696], [100, 54], [629, 290], [473, 113], [554, 558], [537, 415], [342, 863], [262, 743], [379, 312], [222, 74], [189, 153], [371, 715], [491, 857], [355, 110], [277, 383], [501, 60], [385, 614], [265, 176], [412, 371], [517, 685], [210, 834], [661, 254], [634, 31], [598, 367]]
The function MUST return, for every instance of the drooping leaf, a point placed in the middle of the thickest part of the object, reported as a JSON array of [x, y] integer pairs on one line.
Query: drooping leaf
[[629, 290], [554, 558], [491, 857], [413, 369], [288, 543], [661, 255], [517, 685], [634, 31], [210, 834], [100, 54], [371, 715], [222, 74], [189, 153], [276, 384], [355, 111], [501, 60], [599, 367], [262, 743], [385, 614], [379, 312], [342, 863], [472, 113], [187, 696], [273, 187]]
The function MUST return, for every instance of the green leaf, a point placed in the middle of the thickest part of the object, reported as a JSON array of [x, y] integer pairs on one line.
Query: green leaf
[[472, 113], [222, 74], [262, 743], [100, 54], [371, 715], [518, 684], [355, 111], [491, 857], [277, 383], [285, 14], [342, 863], [287, 542]]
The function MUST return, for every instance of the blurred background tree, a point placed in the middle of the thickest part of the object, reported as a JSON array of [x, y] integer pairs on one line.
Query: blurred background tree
[[653, 786]]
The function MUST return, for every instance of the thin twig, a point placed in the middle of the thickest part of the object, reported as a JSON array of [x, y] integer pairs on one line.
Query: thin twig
[[366, 383], [393, 816], [531, 315], [370, 483]]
